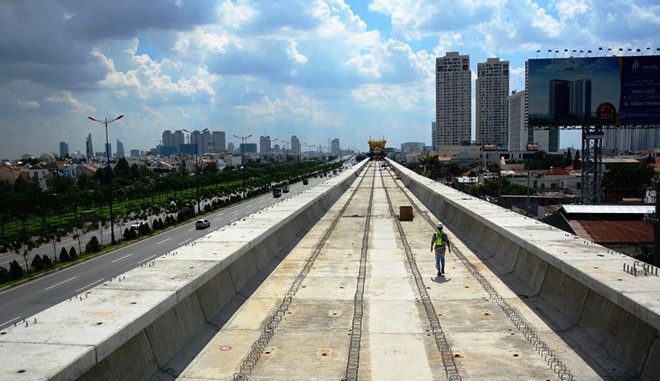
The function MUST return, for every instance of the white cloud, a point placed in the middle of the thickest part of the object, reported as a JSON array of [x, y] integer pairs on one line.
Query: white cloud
[[28, 103], [572, 8], [250, 65], [67, 98]]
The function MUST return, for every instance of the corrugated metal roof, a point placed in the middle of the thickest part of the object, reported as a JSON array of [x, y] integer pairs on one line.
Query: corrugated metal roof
[[620, 160], [604, 232], [609, 209]]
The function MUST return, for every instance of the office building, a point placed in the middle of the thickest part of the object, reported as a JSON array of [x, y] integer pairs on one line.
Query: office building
[[135, 153], [295, 145], [64, 149], [627, 139], [230, 147], [248, 147], [264, 144], [492, 90], [89, 148], [205, 142], [218, 141], [520, 137], [120, 149], [334, 147], [408, 147], [453, 116]]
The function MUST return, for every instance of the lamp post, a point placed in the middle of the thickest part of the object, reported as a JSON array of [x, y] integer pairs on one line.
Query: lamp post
[[196, 133], [243, 143], [105, 122]]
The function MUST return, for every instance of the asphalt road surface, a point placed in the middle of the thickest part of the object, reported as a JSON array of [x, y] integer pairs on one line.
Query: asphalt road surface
[[24, 300]]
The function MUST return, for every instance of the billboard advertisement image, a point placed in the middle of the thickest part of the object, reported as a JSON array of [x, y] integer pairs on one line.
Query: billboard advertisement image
[[612, 91]]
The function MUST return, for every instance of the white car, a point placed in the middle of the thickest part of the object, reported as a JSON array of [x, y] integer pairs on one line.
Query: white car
[[136, 225], [202, 224]]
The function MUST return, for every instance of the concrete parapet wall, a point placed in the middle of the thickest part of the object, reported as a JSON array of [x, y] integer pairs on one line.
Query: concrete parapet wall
[[578, 286], [128, 328]]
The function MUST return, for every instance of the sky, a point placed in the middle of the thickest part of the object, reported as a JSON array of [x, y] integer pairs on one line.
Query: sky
[[317, 69]]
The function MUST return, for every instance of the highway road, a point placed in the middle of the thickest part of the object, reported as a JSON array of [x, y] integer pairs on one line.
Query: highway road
[[26, 299]]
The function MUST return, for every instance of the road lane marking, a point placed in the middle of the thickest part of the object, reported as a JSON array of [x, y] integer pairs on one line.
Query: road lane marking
[[61, 283], [10, 321], [125, 256], [146, 259], [89, 285], [192, 229], [181, 243], [165, 240]]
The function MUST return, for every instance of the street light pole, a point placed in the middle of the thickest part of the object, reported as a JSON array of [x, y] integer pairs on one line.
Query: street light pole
[[243, 143], [105, 122], [197, 162]]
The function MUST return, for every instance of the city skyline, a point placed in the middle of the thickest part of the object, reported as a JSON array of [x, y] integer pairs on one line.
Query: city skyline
[[318, 70], [204, 142]]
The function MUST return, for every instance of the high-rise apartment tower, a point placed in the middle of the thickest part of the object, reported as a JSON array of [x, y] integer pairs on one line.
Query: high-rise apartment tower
[[453, 91], [492, 90]]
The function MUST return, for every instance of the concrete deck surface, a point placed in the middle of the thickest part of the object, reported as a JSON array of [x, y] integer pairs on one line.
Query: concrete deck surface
[[312, 340]]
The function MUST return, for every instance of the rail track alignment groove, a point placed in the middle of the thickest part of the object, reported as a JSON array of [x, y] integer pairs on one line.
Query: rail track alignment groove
[[252, 358], [528, 332]]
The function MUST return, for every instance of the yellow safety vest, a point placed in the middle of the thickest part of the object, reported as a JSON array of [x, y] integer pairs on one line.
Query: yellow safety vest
[[438, 239]]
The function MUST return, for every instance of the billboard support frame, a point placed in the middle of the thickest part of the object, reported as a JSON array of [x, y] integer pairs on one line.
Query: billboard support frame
[[592, 160]]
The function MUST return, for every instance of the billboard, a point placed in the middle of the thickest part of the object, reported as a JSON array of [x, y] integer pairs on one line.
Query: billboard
[[608, 91]]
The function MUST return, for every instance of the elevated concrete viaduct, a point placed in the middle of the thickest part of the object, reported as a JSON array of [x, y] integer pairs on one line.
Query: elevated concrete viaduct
[[331, 285]]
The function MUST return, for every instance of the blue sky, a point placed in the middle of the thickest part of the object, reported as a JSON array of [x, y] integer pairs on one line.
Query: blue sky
[[319, 69]]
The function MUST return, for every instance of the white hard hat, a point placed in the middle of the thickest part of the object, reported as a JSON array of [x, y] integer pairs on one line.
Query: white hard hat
[[439, 226]]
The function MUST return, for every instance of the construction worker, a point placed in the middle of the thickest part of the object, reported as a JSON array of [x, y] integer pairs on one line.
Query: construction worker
[[441, 243]]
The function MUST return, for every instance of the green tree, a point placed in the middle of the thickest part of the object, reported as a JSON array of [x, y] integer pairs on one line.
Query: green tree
[[26, 192], [630, 182], [22, 247], [4, 275], [15, 270], [92, 245], [64, 256], [122, 173], [60, 190], [8, 198], [48, 263], [568, 158], [210, 168], [577, 163], [542, 160], [490, 186], [37, 264]]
